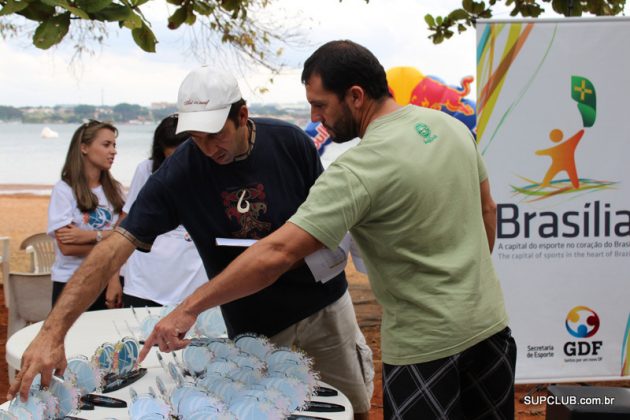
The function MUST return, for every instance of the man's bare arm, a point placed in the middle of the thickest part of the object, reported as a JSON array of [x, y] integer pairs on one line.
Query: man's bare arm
[[88, 282], [489, 212], [46, 353], [253, 270]]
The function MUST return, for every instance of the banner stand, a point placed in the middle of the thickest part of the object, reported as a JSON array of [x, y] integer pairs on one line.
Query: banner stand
[[552, 125]]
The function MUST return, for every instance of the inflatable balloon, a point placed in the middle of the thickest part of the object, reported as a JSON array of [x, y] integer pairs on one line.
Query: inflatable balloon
[[409, 86], [432, 92], [402, 81], [469, 120]]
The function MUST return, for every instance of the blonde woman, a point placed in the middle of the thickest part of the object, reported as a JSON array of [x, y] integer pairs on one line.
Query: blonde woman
[[85, 205]]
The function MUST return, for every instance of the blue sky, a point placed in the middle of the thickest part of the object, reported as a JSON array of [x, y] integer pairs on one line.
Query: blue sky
[[120, 72]]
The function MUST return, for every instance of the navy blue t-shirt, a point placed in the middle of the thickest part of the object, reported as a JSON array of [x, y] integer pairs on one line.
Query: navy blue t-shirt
[[249, 198]]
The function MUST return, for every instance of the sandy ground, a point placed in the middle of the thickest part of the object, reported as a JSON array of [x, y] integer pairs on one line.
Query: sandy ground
[[24, 215]]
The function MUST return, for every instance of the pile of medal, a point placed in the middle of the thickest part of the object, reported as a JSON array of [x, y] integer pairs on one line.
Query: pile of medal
[[247, 378], [112, 367], [208, 324], [212, 378]]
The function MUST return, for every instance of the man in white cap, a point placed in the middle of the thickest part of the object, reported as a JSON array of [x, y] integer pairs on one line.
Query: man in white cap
[[238, 177]]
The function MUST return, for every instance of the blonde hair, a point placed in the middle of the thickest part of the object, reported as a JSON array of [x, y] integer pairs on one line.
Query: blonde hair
[[73, 172]]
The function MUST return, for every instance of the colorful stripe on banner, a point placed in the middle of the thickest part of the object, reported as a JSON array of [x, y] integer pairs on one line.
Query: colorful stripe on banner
[[625, 351], [491, 79]]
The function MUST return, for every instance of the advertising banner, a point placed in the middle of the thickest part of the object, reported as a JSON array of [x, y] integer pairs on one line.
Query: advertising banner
[[554, 129]]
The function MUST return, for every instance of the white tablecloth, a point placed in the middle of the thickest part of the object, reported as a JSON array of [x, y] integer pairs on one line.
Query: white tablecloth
[[97, 327], [90, 331]]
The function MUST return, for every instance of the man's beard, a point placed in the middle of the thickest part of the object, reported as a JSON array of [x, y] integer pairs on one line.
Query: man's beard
[[346, 128]]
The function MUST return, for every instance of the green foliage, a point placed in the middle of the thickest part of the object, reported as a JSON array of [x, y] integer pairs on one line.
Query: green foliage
[[84, 112], [12, 6], [9, 113], [161, 113], [443, 27], [93, 6], [128, 112], [125, 113], [143, 36], [51, 31], [227, 18]]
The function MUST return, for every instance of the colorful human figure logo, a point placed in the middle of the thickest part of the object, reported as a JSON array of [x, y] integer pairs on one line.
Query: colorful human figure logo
[[563, 154], [562, 157]]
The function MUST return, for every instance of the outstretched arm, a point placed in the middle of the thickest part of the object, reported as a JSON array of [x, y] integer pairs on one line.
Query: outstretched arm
[[253, 270], [46, 353]]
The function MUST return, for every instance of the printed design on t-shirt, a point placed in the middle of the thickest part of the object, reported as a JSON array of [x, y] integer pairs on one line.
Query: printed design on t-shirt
[[245, 205], [425, 131], [187, 237], [99, 218]]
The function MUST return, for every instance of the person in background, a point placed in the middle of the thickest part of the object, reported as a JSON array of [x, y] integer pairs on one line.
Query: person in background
[[173, 269], [84, 207]]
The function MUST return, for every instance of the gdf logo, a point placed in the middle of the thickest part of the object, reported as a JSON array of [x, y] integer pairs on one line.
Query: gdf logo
[[582, 322]]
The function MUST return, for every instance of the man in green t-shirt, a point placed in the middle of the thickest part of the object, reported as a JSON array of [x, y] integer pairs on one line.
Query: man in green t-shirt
[[415, 196]]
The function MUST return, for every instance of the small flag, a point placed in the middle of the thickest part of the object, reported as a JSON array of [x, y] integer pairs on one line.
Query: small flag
[[583, 92], [320, 136]]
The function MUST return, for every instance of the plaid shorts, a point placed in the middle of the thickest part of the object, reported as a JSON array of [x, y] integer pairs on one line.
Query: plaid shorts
[[477, 383]]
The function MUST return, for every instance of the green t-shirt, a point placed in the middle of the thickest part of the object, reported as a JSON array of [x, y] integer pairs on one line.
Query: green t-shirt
[[409, 194]]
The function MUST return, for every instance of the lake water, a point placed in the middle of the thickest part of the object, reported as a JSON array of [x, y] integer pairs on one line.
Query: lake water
[[32, 164], [28, 159]]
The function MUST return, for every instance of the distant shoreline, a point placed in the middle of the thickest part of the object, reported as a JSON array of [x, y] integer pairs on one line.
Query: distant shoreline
[[29, 190]]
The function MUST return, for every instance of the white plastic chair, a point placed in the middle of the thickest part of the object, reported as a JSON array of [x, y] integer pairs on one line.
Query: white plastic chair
[[4, 263], [27, 296], [42, 250]]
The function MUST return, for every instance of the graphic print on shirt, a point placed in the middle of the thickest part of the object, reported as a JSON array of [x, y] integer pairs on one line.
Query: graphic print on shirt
[[99, 218], [245, 205]]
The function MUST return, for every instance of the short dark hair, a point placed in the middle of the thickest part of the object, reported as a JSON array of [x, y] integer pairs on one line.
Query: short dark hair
[[234, 110], [164, 137], [343, 64]]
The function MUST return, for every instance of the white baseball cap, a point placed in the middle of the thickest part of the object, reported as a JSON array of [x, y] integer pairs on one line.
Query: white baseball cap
[[204, 100]]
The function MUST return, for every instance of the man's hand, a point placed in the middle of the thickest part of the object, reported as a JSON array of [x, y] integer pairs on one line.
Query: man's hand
[[45, 355], [113, 293], [256, 268], [169, 333]]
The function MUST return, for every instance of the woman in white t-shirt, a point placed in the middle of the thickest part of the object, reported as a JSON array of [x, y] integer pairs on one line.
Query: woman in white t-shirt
[[173, 269], [84, 206]]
